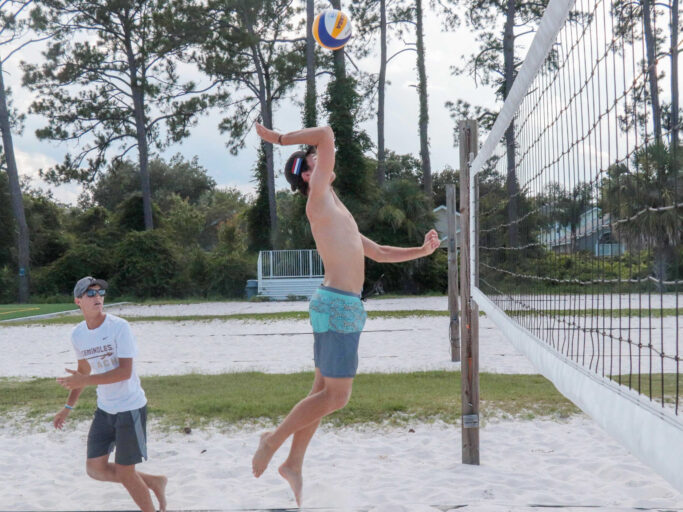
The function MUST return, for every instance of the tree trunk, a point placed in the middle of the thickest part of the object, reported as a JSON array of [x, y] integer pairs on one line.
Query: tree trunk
[[15, 194], [339, 60], [381, 163], [509, 62], [424, 110], [664, 256], [266, 104], [674, 79], [137, 91], [143, 152], [310, 110], [267, 115], [652, 68]]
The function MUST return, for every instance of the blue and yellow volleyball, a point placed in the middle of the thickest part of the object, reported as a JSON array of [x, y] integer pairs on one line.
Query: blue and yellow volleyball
[[332, 29]]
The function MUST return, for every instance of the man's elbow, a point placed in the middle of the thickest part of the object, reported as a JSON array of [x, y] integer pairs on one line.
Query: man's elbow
[[328, 132], [381, 256]]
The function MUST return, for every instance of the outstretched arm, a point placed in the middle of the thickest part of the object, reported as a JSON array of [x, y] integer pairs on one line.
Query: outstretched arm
[[390, 254]]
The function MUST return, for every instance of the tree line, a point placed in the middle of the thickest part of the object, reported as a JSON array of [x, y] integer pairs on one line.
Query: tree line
[[109, 85]]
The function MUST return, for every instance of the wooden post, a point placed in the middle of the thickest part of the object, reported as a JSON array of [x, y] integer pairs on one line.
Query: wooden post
[[470, 314], [453, 288]]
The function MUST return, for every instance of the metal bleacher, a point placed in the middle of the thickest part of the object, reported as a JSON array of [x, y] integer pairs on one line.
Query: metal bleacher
[[289, 274]]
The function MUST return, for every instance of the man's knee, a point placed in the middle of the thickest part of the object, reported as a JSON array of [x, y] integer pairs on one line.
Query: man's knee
[[94, 469], [124, 473], [338, 398]]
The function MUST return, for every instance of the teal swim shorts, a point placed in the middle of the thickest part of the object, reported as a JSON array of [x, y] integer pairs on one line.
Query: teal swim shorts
[[337, 318]]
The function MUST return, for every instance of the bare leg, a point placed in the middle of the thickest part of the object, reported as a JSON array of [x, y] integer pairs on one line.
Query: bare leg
[[334, 395], [291, 469], [101, 469]]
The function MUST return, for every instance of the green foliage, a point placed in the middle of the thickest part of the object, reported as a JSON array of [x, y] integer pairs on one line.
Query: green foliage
[[219, 206], [183, 223], [244, 46], [439, 182], [7, 234], [351, 168], [9, 288], [110, 80], [643, 194], [84, 258], [294, 230], [258, 216], [128, 215], [179, 177], [401, 216], [146, 265], [47, 239], [230, 271]]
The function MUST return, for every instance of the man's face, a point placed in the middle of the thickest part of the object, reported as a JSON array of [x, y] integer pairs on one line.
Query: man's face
[[91, 305], [310, 163]]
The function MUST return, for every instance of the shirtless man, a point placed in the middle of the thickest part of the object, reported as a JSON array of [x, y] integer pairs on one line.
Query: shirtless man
[[337, 313], [105, 348]]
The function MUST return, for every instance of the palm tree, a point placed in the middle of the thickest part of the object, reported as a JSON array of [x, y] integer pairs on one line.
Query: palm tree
[[644, 201]]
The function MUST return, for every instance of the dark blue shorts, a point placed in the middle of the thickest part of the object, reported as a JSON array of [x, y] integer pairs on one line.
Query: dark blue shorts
[[127, 431], [337, 318]]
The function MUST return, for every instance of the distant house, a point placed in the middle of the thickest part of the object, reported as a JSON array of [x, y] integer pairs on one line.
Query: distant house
[[441, 225], [593, 234]]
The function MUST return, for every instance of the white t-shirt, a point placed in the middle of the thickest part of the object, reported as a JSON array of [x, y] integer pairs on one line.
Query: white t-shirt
[[102, 348]]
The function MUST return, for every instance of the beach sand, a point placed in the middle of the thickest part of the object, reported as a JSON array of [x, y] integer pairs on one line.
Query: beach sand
[[524, 464]]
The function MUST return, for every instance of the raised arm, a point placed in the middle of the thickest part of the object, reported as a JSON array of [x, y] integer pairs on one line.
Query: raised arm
[[322, 137], [390, 254]]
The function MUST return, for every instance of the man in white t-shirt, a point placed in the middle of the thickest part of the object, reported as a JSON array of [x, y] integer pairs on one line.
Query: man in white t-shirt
[[105, 348]]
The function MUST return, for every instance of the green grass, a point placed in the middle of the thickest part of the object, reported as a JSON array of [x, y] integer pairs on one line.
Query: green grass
[[257, 317], [234, 398], [10, 311], [303, 315], [613, 313], [657, 386]]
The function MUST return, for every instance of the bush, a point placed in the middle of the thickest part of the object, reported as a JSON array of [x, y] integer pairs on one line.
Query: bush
[[60, 276], [9, 289], [145, 266], [230, 273]]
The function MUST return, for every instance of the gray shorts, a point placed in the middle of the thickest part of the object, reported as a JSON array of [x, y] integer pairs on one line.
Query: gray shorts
[[127, 431]]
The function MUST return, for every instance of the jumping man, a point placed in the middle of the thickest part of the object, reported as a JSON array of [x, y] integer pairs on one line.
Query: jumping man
[[105, 347], [336, 311]]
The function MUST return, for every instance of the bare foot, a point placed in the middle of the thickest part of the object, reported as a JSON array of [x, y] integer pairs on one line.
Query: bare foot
[[296, 481], [262, 457], [159, 490]]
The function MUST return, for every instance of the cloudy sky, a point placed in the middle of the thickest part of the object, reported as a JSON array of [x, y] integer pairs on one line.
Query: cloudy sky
[[444, 49]]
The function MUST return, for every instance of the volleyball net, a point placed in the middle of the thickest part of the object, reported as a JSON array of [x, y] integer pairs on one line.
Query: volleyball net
[[575, 227]]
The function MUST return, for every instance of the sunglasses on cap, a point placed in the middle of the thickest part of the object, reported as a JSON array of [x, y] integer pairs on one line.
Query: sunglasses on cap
[[92, 293]]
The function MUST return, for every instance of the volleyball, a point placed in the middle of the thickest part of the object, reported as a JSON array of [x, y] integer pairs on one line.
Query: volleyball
[[332, 29]]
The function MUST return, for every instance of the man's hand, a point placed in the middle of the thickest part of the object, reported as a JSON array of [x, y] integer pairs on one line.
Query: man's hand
[[266, 134], [74, 381], [432, 242], [60, 418]]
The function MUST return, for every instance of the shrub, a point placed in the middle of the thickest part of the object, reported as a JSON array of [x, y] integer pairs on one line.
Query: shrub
[[60, 276], [230, 272], [145, 265]]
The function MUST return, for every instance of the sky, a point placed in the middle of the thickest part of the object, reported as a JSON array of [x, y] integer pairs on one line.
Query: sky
[[443, 50]]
